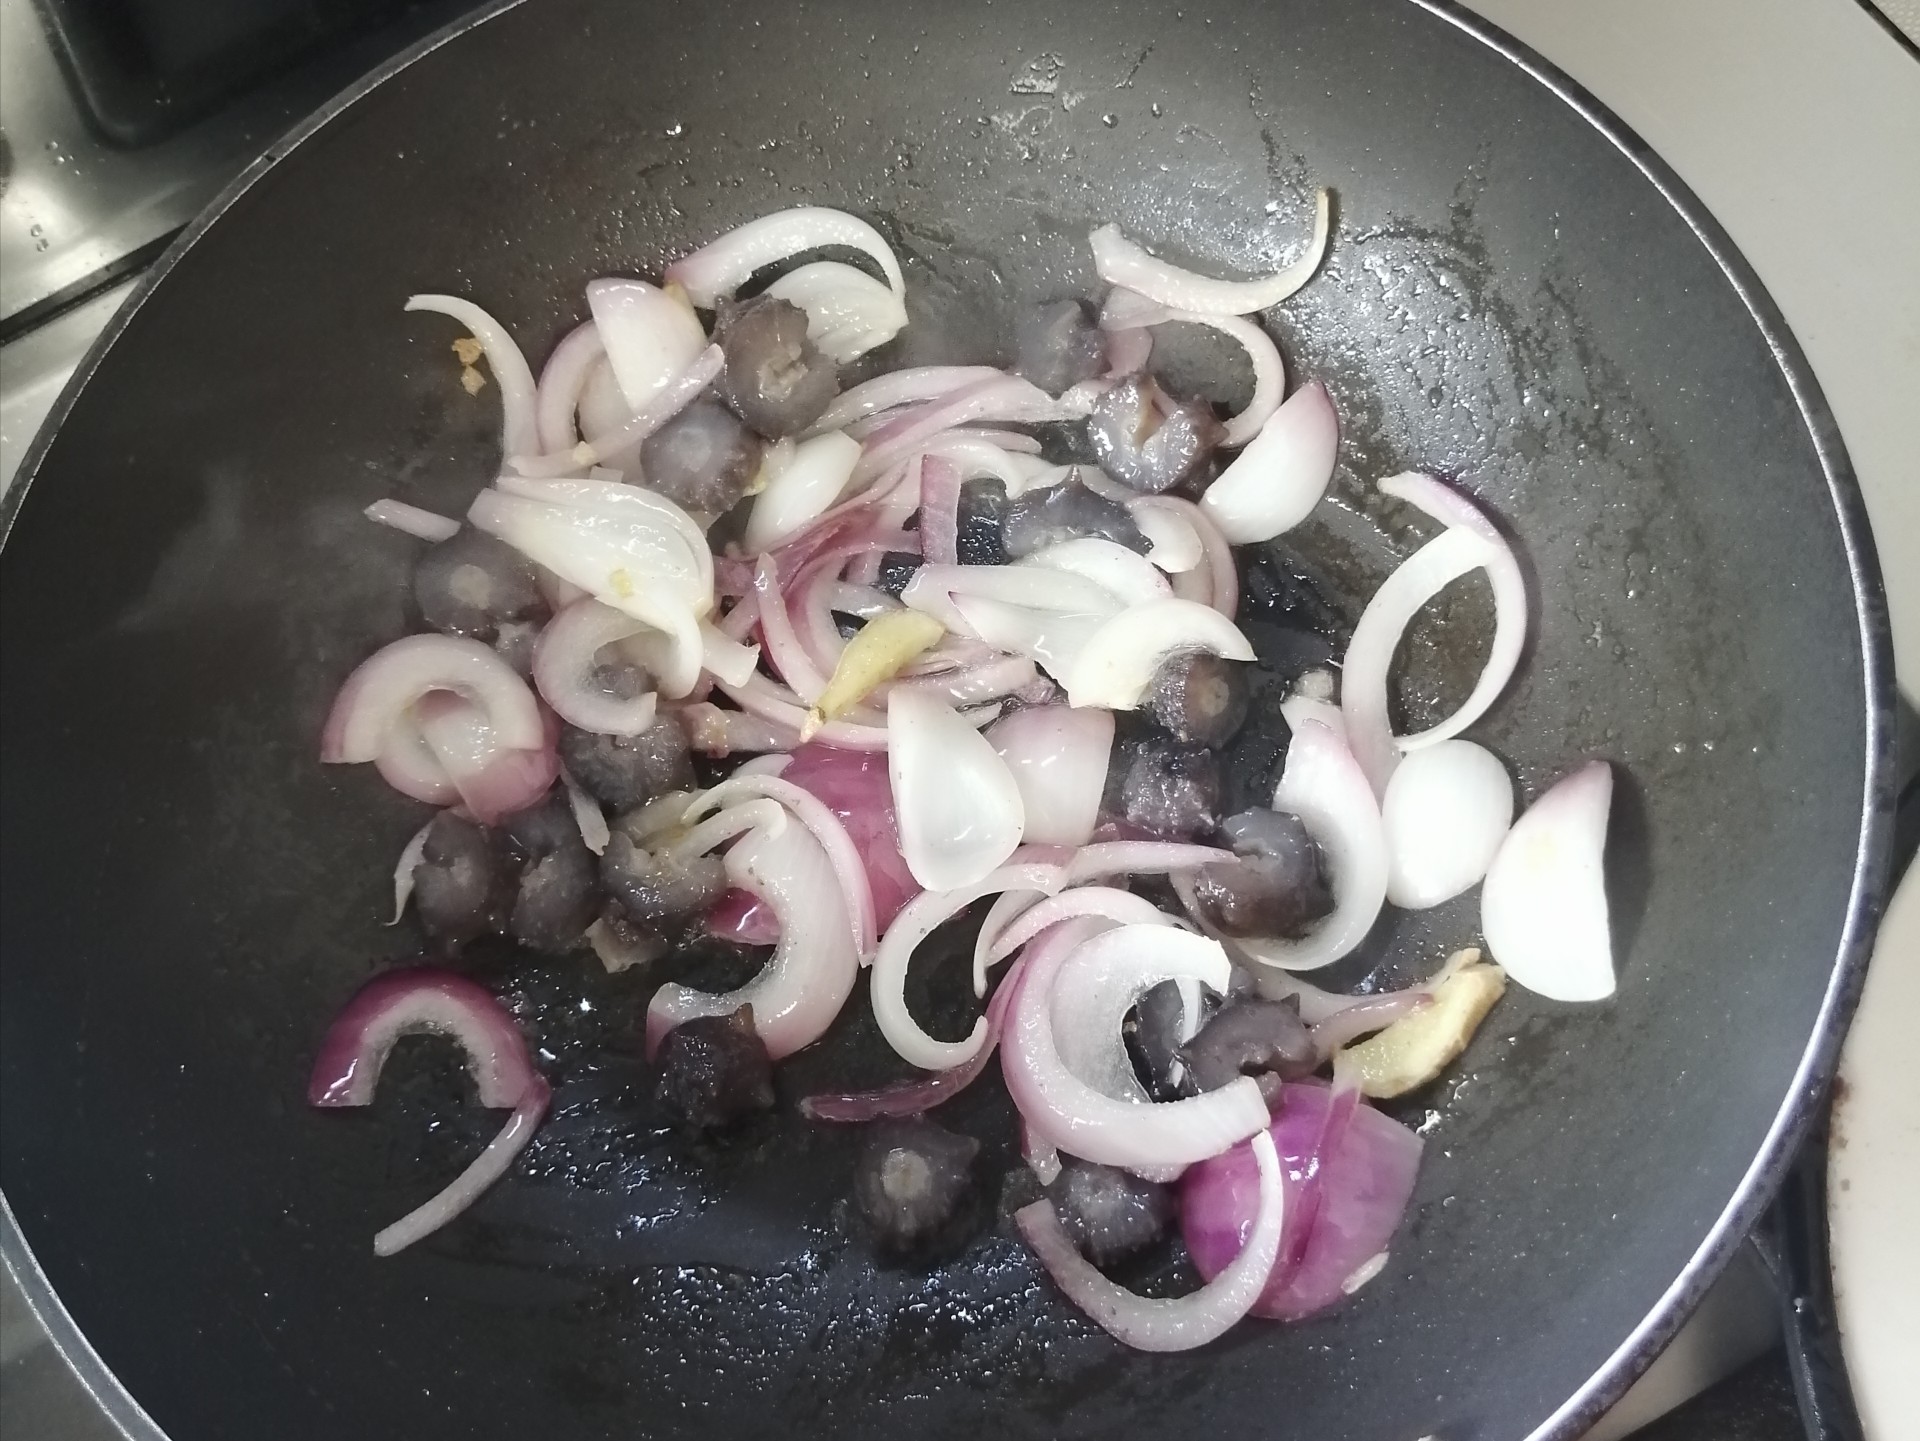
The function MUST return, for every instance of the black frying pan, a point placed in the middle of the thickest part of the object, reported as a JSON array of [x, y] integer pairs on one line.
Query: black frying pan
[[1517, 295]]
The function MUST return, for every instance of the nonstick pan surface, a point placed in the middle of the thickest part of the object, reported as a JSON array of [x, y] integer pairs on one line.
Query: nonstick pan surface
[[1517, 297]]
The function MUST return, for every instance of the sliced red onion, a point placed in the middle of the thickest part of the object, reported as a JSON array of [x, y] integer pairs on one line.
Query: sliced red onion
[[1445, 811], [1347, 1187], [722, 266], [1115, 666], [564, 661], [563, 382], [410, 767], [826, 828], [1275, 483], [922, 1093], [660, 407], [784, 715], [1543, 908], [1139, 858], [493, 780], [976, 456], [412, 520], [1083, 1121], [1173, 543], [375, 699], [959, 809], [411, 855], [939, 511], [1324, 786], [519, 429], [1128, 576], [1039, 1154], [896, 388], [1001, 937], [466, 1188], [936, 589], [611, 539], [785, 652], [801, 989], [650, 336], [1121, 262], [1312, 699], [1170, 1323], [801, 492], [1004, 398], [917, 920], [1098, 984], [1470, 542], [587, 815], [412, 1001], [1058, 759], [848, 311], [1125, 310]]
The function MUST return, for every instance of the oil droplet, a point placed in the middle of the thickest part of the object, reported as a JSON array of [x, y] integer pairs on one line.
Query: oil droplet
[[676, 130], [1109, 120], [1155, 108]]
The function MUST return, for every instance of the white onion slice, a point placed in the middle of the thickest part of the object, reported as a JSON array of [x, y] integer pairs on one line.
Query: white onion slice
[[1058, 757], [564, 660], [1098, 984], [803, 490], [1127, 575], [1173, 543], [1033, 913], [1312, 699], [563, 386], [975, 457], [1274, 484], [1543, 908], [1121, 262], [1177, 1323], [587, 815], [908, 386], [1470, 542], [827, 828], [938, 589], [1446, 811], [375, 699], [722, 266], [412, 520], [848, 311], [1082, 1121], [1118, 661], [917, 920], [1324, 786], [812, 971], [1052, 638], [650, 335], [960, 811], [726, 658], [486, 1168], [1127, 310], [519, 425], [1003, 398], [668, 401], [492, 780]]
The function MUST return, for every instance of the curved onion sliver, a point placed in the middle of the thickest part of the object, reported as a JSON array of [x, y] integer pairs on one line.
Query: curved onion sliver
[[1117, 663], [519, 423], [564, 659], [1275, 483], [960, 812], [1127, 575], [1126, 310], [801, 491], [1121, 262], [848, 311], [649, 336], [375, 698], [722, 266]]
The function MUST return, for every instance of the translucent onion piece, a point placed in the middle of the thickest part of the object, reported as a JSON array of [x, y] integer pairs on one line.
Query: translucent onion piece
[[1118, 661], [803, 490], [976, 457], [1058, 758], [1470, 542], [1128, 576], [466, 1188], [1121, 262], [1446, 811], [411, 855], [411, 519], [1170, 1323], [1173, 544], [1052, 638], [722, 266], [564, 661], [1098, 984], [940, 486], [1275, 483], [668, 401], [650, 335], [1543, 908], [917, 920], [1037, 913], [960, 810], [493, 780], [1324, 786], [563, 384], [1126, 310], [896, 388], [935, 589], [587, 815], [519, 426], [608, 538], [1080, 1120], [826, 827], [726, 657], [802, 988], [1004, 398], [848, 311], [375, 699]]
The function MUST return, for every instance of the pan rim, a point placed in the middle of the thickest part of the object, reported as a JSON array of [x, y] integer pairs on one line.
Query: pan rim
[[1867, 892]]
